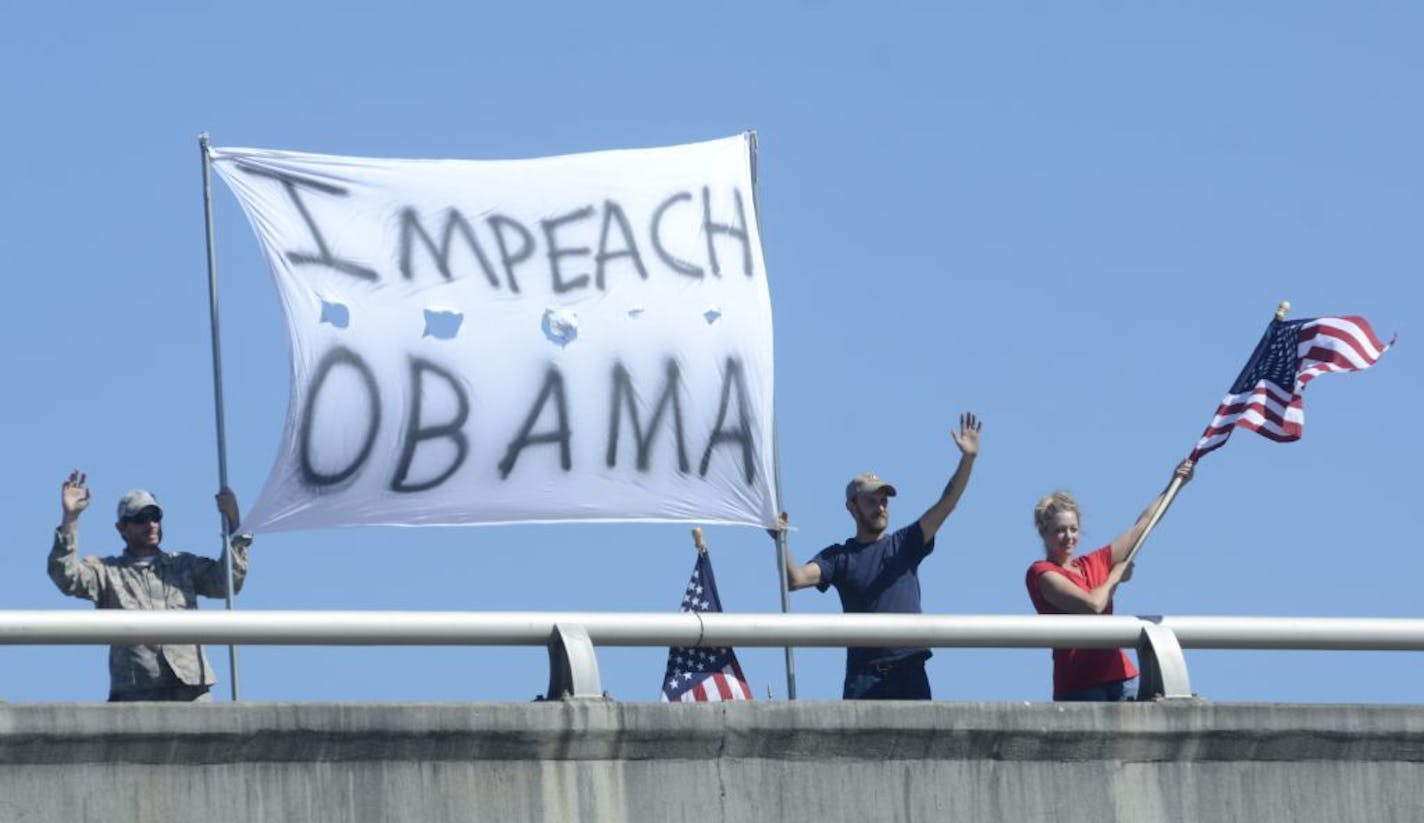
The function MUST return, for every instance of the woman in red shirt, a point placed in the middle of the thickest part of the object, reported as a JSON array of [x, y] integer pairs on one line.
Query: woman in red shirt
[[1065, 584]]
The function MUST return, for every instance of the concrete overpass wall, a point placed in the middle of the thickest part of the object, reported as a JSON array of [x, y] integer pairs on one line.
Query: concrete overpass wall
[[599, 760]]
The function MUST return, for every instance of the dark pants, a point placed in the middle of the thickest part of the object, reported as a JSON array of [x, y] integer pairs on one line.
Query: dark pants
[[902, 679], [182, 693]]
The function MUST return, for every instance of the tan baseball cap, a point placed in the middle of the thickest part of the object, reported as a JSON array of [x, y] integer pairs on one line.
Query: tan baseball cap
[[867, 483], [136, 501]]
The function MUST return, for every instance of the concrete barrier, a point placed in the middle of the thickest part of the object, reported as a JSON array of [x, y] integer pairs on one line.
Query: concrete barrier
[[601, 760]]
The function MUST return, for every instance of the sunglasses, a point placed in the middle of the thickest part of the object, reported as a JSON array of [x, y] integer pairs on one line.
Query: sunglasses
[[145, 518]]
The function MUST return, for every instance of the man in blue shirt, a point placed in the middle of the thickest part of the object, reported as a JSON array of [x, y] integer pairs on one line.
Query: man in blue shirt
[[878, 573]]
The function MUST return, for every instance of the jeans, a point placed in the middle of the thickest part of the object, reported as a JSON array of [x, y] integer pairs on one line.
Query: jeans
[[900, 679], [180, 693], [1115, 692]]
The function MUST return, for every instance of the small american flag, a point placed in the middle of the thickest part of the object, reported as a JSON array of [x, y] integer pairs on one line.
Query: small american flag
[[1266, 397], [702, 673]]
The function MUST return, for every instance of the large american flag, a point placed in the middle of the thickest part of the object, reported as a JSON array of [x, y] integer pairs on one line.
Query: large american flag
[[1266, 397], [702, 673]]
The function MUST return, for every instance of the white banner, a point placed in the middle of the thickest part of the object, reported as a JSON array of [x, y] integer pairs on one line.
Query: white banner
[[577, 338]]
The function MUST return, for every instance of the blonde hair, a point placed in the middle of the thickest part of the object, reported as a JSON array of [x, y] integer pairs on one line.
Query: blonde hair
[[1051, 505]]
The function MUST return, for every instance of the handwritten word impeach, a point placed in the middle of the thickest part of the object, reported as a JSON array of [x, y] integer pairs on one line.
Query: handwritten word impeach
[[572, 250], [733, 426]]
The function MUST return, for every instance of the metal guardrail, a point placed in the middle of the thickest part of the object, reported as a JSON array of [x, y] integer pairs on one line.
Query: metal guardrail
[[571, 637]]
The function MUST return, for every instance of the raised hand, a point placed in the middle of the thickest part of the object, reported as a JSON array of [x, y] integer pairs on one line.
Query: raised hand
[[967, 438], [783, 522], [227, 504], [73, 497]]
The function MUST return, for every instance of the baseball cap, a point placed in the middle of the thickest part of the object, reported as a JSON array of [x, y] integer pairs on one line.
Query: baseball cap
[[867, 483], [136, 501]]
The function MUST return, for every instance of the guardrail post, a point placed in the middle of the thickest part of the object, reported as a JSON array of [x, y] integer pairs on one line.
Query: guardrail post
[[1164, 667], [573, 668]]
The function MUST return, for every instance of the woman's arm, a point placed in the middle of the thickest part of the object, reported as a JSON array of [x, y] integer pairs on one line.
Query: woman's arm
[[1123, 543], [1061, 592]]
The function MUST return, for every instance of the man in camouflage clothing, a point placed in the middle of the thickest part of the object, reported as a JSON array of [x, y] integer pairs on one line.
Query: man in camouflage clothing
[[146, 577]]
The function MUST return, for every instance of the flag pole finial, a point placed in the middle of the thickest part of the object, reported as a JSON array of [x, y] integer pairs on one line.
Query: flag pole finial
[[1282, 310], [698, 540]]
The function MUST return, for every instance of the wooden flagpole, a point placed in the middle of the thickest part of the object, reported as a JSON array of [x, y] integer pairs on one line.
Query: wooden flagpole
[[1176, 485]]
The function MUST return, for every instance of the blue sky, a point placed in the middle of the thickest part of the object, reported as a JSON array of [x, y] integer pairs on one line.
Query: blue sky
[[1073, 220]]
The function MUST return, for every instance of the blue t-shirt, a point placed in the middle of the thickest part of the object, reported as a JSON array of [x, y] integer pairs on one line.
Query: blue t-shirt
[[876, 578]]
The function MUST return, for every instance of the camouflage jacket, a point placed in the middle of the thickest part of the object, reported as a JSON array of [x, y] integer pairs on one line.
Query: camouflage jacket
[[173, 580]]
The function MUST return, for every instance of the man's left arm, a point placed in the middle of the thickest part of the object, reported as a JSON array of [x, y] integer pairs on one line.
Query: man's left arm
[[967, 439], [210, 576]]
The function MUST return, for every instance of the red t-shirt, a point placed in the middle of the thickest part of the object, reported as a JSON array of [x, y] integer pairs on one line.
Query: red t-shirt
[[1078, 669]]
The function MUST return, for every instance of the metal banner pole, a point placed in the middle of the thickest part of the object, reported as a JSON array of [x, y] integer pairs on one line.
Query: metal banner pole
[[783, 554], [783, 548], [217, 381]]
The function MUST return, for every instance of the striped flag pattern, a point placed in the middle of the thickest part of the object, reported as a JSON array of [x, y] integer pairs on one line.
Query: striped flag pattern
[[1266, 396], [695, 674]]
